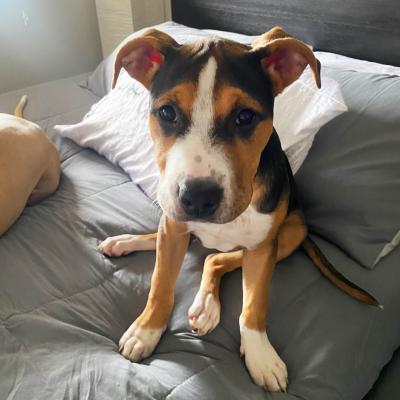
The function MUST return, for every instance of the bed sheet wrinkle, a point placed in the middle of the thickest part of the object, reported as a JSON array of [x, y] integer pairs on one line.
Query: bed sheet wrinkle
[[186, 381], [68, 296], [24, 349], [18, 365]]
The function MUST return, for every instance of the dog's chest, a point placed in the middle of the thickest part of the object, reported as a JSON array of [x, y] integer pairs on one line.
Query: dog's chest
[[247, 230]]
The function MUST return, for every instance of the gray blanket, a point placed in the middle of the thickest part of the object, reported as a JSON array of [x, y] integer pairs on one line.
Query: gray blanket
[[64, 306]]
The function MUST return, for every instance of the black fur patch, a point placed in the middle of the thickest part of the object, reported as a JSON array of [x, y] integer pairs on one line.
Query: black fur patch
[[274, 171], [181, 65], [245, 73]]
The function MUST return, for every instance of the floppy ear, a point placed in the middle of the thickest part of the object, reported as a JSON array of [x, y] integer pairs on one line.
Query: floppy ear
[[143, 56], [284, 58]]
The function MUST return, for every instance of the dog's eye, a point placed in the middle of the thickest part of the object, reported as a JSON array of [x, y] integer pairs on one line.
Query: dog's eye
[[167, 113], [245, 117]]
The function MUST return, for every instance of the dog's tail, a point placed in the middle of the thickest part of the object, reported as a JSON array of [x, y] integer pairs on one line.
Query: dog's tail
[[329, 271], [19, 109]]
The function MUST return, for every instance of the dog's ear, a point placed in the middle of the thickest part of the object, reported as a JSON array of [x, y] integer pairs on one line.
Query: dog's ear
[[143, 56], [284, 58]]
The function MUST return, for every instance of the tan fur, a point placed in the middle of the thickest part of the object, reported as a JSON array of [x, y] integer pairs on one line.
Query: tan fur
[[258, 266], [291, 234], [340, 281], [183, 95], [244, 154], [162, 143], [19, 109], [229, 98], [29, 166], [215, 266], [172, 243], [259, 191], [245, 157]]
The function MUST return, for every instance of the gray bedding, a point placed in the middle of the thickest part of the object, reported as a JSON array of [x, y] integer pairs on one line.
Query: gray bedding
[[63, 306]]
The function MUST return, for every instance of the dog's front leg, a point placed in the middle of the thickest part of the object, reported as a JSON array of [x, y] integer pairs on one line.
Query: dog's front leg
[[142, 336], [265, 366]]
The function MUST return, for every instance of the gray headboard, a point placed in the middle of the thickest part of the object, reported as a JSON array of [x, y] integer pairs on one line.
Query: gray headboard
[[365, 29]]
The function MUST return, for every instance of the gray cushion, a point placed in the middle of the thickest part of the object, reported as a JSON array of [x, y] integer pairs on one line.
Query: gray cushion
[[350, 182], [387, 387]]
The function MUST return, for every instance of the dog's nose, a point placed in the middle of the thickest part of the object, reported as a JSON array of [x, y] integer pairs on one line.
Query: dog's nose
[[200, 198]]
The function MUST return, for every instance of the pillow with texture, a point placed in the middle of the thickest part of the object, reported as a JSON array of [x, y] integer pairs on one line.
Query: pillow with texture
[[338, 61], [350, 181]]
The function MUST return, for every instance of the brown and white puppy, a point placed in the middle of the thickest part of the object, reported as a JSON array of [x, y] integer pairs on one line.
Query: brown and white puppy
[[29, 166], [223, 178]]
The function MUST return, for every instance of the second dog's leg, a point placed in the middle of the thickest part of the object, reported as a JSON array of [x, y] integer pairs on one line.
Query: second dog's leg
[[121, 245], [50, 179], [205, 311]]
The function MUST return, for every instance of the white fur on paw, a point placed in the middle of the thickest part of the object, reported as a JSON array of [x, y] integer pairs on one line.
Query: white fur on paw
[[264, 365], [120, 245], [138, 343], [204, 313]]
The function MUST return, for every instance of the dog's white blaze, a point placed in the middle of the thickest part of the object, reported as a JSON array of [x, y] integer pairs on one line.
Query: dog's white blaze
[[248, 230], [203, 111], [195, 145]]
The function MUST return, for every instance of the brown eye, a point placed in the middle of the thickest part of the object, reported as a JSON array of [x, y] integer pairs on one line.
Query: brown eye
[[245, 117], [167, 113]]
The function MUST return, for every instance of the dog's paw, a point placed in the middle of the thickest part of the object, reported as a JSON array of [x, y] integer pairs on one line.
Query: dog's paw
[[264, 365], [204, 313], [117, 246], [138, 343]]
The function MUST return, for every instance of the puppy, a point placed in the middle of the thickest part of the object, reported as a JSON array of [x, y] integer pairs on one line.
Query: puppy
[[29, 166], [223, 178]]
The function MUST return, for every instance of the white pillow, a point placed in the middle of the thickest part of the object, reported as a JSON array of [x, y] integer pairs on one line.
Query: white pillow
[[301, 110], [338, 61], [116, 126]]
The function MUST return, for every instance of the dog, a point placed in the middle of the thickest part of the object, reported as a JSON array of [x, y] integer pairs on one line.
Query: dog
[[29, 165], [223, 178]]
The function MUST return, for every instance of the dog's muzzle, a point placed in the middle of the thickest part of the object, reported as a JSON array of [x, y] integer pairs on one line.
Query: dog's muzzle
[[200, 198]]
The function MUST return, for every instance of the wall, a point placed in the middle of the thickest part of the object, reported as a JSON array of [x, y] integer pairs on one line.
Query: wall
[[43, 40], [119, 18], [149, 12]]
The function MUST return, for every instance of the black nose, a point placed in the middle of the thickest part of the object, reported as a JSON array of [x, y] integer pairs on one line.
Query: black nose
[[200, 198]]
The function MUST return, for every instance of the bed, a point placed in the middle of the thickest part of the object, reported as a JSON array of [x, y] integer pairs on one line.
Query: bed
[[64, 306]]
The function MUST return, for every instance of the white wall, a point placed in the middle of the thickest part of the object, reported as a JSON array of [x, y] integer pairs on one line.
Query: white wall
[[42, 40], [119, 18]]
